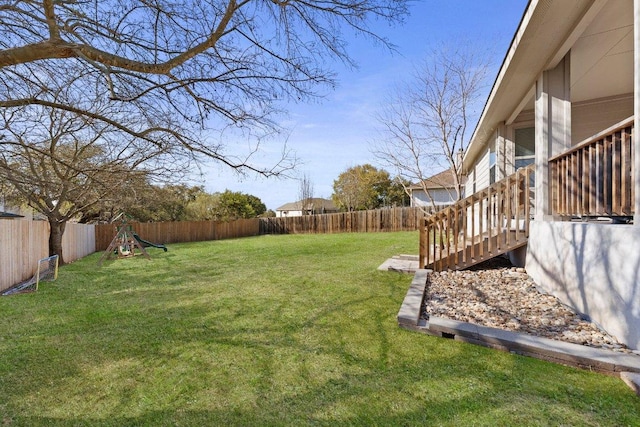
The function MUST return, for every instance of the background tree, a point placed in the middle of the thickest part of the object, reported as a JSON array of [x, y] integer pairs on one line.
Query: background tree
[[167, 203], [425, 127], [189, 68], [8, 196], [237, 205], [133, 197], [63, 164], [270, 213], [361, 187], [305, 193], [396, 194], [180, 202], [204, 207]]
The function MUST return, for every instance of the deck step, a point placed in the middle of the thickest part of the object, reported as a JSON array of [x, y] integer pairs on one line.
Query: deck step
[[488, 248]]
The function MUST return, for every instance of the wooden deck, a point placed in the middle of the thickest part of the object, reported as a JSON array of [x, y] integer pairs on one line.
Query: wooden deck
[[482, 226]]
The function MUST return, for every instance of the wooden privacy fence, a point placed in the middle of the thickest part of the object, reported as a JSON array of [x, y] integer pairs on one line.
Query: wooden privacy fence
[[387, 219], [180, 232], [78, 240], [24, 242], [595, 178], [391, 219]]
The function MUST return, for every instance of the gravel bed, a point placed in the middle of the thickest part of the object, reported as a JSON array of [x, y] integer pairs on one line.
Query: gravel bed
[[498, 295]]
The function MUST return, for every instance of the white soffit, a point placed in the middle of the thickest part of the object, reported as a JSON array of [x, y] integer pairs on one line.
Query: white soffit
[[602, 58], [543, 32]]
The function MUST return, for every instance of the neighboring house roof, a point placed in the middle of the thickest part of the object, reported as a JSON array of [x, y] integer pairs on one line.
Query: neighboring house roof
[[547, 31], [8, 215], [443, 179], [315, 203], [293, 206]]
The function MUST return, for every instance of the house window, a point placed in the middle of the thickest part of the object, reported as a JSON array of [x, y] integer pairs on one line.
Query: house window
[[525, 147]]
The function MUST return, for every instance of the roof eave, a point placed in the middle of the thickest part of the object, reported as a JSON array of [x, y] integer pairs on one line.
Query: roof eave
[[525, 60]]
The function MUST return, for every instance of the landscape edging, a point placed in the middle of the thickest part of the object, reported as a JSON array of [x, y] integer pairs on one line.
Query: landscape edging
[[608, 362]]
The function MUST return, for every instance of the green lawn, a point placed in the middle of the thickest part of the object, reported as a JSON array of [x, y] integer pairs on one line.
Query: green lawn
[[273, 330]]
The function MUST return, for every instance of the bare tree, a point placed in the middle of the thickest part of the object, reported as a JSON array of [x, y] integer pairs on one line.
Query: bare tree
[[63, 163], [305, 194], [425, 126], [187, 66]]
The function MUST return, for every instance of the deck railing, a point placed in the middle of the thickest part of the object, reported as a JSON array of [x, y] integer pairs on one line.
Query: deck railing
[[481, 226], [595, 178]]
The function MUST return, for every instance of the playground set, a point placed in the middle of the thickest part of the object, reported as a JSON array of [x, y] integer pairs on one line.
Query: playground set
[[127, 242]]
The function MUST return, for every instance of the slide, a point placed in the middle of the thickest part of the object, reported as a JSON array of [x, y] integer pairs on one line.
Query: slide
[[146, 243]]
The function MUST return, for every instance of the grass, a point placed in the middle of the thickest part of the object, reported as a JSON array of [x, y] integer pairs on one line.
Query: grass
[[268, 331]]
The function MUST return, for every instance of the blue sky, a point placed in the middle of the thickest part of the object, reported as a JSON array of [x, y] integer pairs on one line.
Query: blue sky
[[335, 133]]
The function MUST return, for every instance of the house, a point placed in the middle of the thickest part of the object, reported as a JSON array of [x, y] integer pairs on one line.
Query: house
[[553, 175], [314, 206], [440, 191], [8, 211], [9, 215]]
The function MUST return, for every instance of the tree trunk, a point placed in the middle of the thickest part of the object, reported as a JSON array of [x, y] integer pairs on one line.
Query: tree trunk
[[55, 238]]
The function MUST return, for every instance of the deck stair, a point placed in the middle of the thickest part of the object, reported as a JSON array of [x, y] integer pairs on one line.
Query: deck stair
[[487, 224]]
